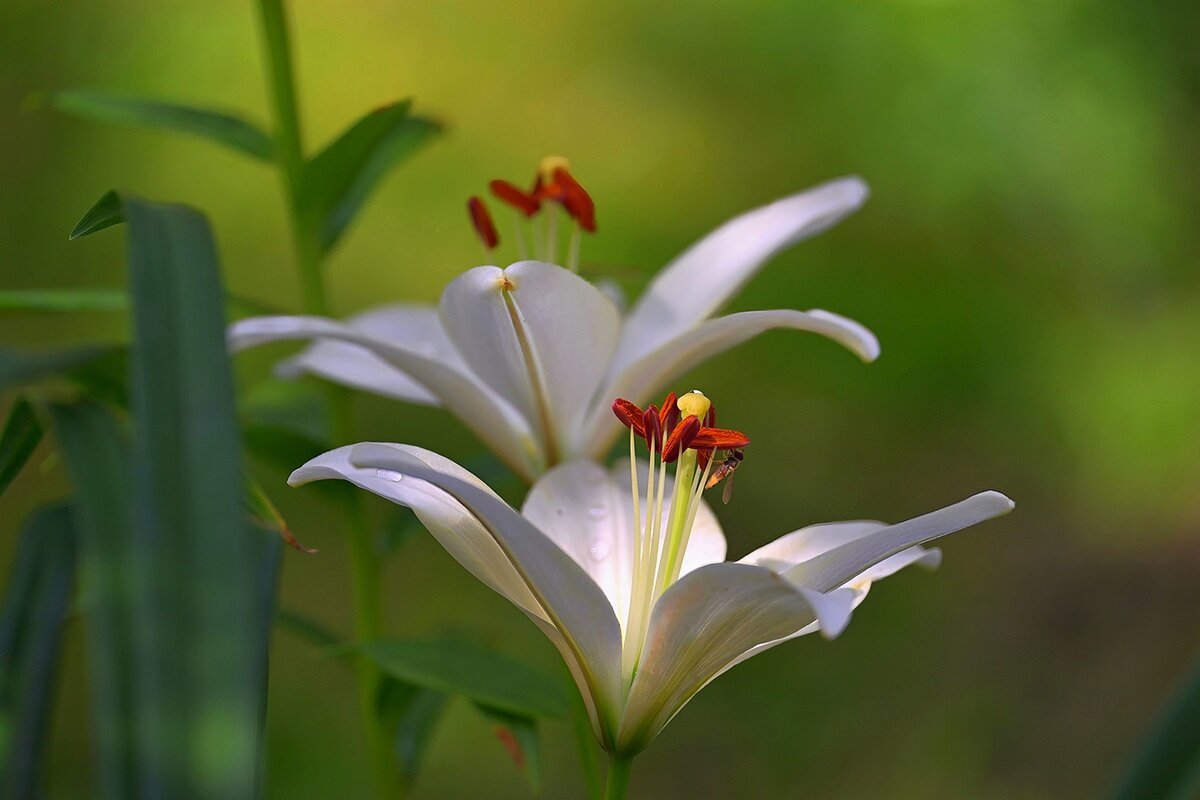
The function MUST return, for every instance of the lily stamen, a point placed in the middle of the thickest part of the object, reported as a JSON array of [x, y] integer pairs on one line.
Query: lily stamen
[[555, 186], [673, 434]]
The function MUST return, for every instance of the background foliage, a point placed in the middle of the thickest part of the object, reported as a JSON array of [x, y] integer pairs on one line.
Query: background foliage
[[1029, 261]]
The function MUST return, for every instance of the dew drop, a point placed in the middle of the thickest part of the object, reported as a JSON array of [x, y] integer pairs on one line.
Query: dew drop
[[599, 512], [389, 475], [599, 549]]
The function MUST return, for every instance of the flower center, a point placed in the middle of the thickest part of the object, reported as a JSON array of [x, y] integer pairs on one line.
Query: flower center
[[684, 433], [554, 189]]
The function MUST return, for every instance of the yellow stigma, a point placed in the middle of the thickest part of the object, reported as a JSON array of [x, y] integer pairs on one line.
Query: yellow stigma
[[550, 163], [694, 403]]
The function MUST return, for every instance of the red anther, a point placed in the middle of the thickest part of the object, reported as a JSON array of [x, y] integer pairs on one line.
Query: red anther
[[527, 204], [575, 200], [669, 415], [482, 221], [710, 419], [653, 429], [630, 415], [719, 439], [702, 459], [681, 438]]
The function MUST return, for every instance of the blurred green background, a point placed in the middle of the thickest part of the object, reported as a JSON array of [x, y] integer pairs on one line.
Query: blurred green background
[[1028, 259]]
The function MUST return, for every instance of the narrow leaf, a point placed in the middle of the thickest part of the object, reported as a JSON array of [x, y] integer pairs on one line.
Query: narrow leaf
[[63, 300], [35, 606], [17, 367], [518, 734], [217, 126], [98, 459], [413, 713], [482, 675], [202, 705], [1167, 762], [338, 180], [104, 213], [20, 437]]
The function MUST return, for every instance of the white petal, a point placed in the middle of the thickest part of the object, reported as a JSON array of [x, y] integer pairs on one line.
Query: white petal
[[413, 327], [792, 548], [705, 623], [711, 271], [836, 567], [671, 358], [588, 512], [455, 528], [540, 335], [571, 600], [487, 414]]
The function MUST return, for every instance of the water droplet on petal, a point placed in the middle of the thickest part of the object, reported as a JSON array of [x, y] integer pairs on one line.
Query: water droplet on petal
[[599, 512], [389, 475], [599, 548]]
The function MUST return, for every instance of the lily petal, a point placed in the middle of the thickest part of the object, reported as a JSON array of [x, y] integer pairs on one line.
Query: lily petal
[[488, 415], [790, 549], [711, 271], [705, 623], [836, 567], [638, 379], [463, 537], [540, 336], [590, 635], [588, 512], [414, 327]]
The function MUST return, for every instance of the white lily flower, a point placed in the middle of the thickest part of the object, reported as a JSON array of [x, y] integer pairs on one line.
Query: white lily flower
[[625, 571], [529, 356]]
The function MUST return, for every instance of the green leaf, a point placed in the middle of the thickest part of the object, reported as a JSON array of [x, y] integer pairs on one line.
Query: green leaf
[[200, 561], [17, 367], [35, 606], [20, 437], [1167, 762], [482, 675], [217, 126], [194, 588], [63, 300], [518, 734], [97, 455], [338, 180], [104, 213], [413, 713]]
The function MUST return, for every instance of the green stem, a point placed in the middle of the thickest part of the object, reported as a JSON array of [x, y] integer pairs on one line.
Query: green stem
[[586, 742], [363, 560], [619, 768]]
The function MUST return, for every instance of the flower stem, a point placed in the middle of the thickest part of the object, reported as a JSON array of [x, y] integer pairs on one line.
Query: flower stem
[[619, 768], [363, 561]]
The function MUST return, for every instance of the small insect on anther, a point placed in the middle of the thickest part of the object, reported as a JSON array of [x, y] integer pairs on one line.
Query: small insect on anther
[[724, 472]]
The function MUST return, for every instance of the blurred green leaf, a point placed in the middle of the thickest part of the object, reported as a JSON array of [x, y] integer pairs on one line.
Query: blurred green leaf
[[220, 127], [97, 455], [413, 713], [20, 437], [1167, 762], [63, 300], [482, 675], [104, 377], [397, 526], [35, 606], [339, 179], [104, 213], [18, 367], [518, 734], [199, 560]]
